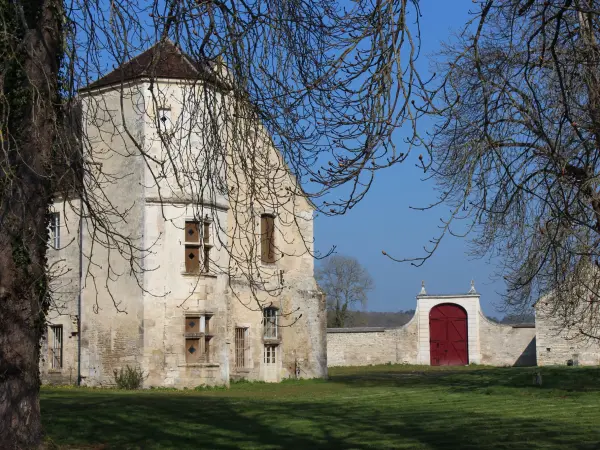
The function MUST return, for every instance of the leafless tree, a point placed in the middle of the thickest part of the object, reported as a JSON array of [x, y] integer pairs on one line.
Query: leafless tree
[[517, 150], [324, 83], [346, 283]]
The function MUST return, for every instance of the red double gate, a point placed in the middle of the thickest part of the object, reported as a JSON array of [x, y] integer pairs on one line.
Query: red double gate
[[448, 335]]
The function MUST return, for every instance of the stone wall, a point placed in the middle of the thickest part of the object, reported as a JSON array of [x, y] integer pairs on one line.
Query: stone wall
[[364, 346], [556, 346], [64, 266], [506, 345], [498, 345]]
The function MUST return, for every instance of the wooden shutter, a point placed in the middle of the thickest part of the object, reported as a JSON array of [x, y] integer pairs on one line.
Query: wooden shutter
[[192, 259], [193, 352], [191, 232], [192, 324], [267, 231]]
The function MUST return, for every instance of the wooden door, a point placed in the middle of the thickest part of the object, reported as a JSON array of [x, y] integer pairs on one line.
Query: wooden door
[[448, 344]]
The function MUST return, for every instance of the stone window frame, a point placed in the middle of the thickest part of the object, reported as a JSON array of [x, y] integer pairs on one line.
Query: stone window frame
[[203, 245], [242, 330], [202, 335], [54, 230], [270, 324], [56, 345], [164, 112], [271, 262]]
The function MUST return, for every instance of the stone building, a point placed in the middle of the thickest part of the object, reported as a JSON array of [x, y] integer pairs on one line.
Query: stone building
[[182, 313], [557, 346], [445, 330]]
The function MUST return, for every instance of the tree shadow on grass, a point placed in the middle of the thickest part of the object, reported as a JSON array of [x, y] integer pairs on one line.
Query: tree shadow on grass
[[165, 420], [578, 379]]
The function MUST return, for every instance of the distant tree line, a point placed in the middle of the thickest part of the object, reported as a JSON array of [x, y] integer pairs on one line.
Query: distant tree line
[[397, 319], [373, 319], [512, 319]]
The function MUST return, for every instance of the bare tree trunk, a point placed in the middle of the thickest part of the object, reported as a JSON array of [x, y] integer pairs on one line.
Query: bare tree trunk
[[339, 320], [30, 87]]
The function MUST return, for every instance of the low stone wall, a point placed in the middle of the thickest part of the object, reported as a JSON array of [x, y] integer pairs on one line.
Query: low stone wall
[[365, 346], [506, 345], [499, 345]]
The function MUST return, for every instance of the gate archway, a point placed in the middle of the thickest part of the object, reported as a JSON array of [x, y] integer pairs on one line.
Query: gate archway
[[448, 335]]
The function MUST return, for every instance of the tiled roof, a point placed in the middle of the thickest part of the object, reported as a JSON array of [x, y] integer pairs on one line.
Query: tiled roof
[[163, 60]]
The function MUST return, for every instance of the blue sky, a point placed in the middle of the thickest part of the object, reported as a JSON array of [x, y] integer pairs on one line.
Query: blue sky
[[384, 221]]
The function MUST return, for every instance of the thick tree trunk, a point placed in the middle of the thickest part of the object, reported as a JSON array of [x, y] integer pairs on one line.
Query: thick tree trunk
[[29, 105]]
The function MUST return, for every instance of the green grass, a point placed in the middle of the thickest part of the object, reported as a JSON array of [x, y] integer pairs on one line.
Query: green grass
[[399, 407]]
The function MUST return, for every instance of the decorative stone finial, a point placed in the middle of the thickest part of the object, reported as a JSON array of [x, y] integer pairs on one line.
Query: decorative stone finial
[[472, 290], [423, 291]]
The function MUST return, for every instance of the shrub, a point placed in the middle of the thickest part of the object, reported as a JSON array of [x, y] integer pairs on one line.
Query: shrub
[[204, 387], [129, 378]]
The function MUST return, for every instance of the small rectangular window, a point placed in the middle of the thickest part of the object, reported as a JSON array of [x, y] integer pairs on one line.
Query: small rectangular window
[[193, 351], [206, 259], [206, 233], [192, 324], [206, 353], [55, 230], [195, 246], [270, 323], [197, 339], [164, 119], [240, 347], [191, 232], [270, 354], [56, 346], [267, 242], [192, 263]]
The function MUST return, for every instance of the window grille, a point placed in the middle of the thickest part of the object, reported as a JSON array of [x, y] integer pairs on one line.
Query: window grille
[[56, 354], [240, 347]]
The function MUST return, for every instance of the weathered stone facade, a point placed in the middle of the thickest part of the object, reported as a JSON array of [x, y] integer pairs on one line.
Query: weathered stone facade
[[506, 345], [112, 316], [365, 346], [556, 346], [488, 343]]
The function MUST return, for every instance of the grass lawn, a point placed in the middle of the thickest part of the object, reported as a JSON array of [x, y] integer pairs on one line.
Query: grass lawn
[[399, 407]]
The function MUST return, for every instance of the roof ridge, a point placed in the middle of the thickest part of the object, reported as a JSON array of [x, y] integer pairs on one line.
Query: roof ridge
[[164, 59]]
